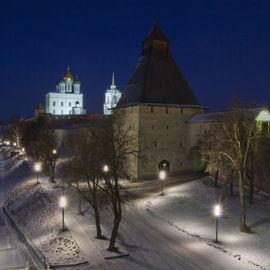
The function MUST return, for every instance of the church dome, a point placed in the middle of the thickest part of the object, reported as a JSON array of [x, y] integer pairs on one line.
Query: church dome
[[68, 76]]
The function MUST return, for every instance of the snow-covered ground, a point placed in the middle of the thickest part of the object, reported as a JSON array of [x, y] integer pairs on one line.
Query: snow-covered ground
[[34, 210], [188, 209], [174, 231]]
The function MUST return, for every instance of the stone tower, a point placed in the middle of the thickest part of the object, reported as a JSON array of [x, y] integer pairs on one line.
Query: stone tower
[[157, 101]]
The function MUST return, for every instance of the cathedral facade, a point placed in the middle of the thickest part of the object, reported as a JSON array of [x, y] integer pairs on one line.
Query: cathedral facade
[[67, 99]]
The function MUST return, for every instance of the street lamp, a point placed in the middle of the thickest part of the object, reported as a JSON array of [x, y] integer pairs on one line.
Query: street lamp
[[37, 169], [8, 142], [14, 144], [54, 151], [162, 177], [217, 212], [63, 204], [105, 168], [23, 149]]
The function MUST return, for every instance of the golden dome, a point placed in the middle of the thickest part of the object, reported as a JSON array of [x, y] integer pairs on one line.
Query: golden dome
[[68, 75]]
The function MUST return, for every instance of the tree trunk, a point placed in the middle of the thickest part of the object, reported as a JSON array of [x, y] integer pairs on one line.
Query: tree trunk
[[231, 184], [117, 211], [98, 227], [216, 178], [52, 172], [251, 190], [243, 226], [223, 191], [250, 173], [79, 196]]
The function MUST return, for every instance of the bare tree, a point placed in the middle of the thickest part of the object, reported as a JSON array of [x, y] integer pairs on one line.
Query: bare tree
[[83, 170], [230, 139], [13, 131], [120, 140], [39, 139]]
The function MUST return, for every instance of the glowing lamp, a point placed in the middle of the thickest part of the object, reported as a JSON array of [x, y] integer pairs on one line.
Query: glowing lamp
[[54, 151], [162, 175], [8, 143], [217, 210], [105, 168], [37, 167], [14, 144], [62, 202]]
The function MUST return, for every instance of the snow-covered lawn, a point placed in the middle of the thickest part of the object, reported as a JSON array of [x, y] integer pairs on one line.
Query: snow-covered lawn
[[33, 207], [188, 208]]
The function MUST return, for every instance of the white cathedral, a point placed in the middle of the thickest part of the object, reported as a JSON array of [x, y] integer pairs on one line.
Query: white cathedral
[[112, 97], [67, 99]]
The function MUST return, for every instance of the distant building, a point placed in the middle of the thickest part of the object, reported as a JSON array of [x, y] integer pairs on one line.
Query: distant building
[[67, 99], [112, 97]]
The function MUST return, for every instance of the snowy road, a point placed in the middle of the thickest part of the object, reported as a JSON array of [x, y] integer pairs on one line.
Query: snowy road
[[156, 245]]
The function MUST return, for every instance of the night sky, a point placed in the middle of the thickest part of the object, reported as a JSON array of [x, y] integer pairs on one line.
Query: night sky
[[221, 47]]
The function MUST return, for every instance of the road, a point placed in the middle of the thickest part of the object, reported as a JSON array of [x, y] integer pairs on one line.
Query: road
[[155, 244]]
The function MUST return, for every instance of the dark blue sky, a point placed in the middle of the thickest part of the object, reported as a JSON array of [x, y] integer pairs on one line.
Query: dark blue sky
[[220, 46]]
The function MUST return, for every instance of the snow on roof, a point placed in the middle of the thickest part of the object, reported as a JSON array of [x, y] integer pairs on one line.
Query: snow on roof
[[212, 117]]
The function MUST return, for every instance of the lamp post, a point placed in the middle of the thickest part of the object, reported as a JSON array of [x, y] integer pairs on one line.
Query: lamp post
[[54, 152], [162, 177], [217, 213], [63, 204], [37, 169], [8, 142], [14, 144]]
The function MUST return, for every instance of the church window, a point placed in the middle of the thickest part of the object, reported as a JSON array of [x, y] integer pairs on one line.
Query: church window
[[153, 126], [155, 144], [167, 109], [180, 144], [54, 103], [62, 104], [152, 109], [167, 127], [69, 104]]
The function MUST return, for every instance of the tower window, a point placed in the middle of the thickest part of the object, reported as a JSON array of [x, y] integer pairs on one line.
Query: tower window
[[152, 109], [167, 127], [62, 104], [180, 144], [153, 127], [155, 144], [54, 103], [69, 104]]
